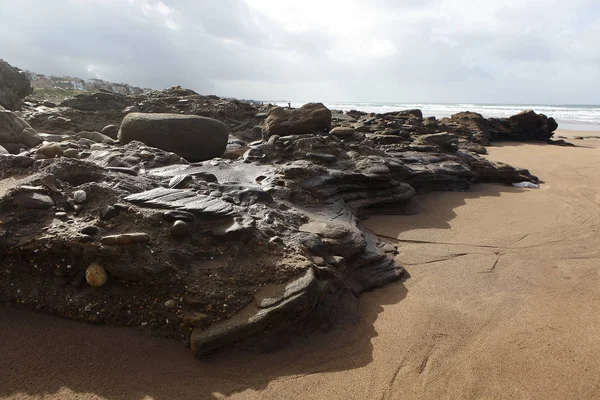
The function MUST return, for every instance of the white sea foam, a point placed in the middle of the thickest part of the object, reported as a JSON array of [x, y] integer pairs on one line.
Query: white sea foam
[[583, 117]]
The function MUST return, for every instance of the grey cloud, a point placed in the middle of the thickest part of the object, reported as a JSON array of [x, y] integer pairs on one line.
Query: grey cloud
[[513, 51]]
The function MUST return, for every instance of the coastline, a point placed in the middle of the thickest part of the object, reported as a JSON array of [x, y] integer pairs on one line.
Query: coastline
[[569, 117], [491, 313]]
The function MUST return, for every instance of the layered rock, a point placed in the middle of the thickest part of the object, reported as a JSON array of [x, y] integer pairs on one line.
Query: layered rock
[[14, 86], [192, 137], [223, 251]]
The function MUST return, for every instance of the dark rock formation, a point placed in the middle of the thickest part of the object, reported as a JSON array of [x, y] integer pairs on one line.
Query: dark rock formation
[[94, 111], [525, 126], [222, 251], [14, 86], [310, 118], [193, 138], [96, 101]]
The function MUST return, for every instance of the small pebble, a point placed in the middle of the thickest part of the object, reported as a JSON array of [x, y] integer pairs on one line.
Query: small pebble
[[90, 230], [180, 229], [60, 215], [109, 212], [215, 193], [126, 239], [79, 196], [146, 155], [95, 275], [170, 303], [174, 215]]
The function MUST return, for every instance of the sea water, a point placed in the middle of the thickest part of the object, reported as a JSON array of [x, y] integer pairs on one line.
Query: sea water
[[568, 116]]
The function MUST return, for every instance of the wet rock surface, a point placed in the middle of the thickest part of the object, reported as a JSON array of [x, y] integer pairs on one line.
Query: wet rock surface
[[222, 251]]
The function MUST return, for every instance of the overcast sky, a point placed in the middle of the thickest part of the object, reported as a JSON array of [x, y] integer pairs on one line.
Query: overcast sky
[[495, 51]]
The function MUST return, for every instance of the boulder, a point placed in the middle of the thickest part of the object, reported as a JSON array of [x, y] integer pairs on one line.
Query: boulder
[[191, 137], [528, 125], [310, 118], [14, 86], [111, 131], [15, 133]]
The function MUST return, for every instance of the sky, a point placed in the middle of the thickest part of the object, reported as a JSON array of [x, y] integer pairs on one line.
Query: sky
[[451, 51]]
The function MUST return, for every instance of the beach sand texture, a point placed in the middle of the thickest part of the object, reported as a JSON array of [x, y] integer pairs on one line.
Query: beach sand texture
[[503, 301]]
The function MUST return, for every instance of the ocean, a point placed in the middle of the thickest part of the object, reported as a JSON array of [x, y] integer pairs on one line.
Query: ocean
[[576, 117]]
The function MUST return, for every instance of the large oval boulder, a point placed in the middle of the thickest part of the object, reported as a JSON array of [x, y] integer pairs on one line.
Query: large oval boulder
[[15, 133], [310, 118], [191, 137], [14, 86]]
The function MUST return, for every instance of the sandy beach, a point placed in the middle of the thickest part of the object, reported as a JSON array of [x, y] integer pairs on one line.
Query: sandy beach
[[502, 301]]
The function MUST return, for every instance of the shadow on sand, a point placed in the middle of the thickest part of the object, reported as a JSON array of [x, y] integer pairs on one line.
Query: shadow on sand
[[435, 216], [42, 355]]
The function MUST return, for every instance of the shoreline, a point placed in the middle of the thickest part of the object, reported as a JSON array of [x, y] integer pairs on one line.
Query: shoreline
[[445, 110]]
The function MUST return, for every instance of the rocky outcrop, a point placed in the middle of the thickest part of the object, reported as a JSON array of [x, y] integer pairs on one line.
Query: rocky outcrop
[[525, 126], [310, 118], [15, 133], [221, 252], [99, 101], [14, 86], [193, 138], [94, 111]]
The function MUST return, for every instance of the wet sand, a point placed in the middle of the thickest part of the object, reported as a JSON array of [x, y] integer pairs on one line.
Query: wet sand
[[503, 301]]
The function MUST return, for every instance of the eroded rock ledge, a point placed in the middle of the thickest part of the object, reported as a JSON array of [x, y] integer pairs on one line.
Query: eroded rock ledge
[[229, 250]]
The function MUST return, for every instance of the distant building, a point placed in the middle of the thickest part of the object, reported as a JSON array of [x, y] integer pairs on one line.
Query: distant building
[[78, 84], [91, 85]]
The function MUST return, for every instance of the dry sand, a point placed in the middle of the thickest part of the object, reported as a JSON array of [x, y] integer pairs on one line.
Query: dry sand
[[503, 301]]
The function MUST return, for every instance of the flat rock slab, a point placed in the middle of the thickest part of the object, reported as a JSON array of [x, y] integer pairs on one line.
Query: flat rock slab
[[183, 199], [224, 172], [33, 200]]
